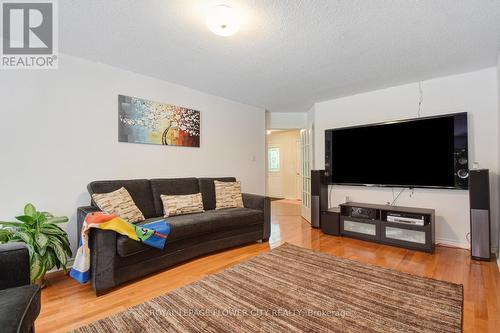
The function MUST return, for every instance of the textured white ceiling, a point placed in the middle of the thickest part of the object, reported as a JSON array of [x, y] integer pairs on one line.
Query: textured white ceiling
[[288, 53]]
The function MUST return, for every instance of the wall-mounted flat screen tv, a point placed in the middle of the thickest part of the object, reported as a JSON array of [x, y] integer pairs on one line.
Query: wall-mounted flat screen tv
[[423, 152]]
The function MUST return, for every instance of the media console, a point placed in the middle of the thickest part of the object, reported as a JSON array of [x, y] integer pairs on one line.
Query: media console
[[411, 228]]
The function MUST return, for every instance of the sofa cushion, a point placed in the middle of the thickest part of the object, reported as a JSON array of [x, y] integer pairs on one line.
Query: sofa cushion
[[176, 251], [181, 204], [19, 307], [172, 186], [207, 189], [228, 195], [119, 203], [193, 225], [139, 189]]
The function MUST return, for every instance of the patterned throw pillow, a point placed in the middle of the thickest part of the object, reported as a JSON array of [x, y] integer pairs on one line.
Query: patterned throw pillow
[[182, 204], [228, 195], [119, 203]]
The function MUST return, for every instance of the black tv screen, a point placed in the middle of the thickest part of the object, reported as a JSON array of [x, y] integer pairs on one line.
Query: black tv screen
[[422, 152]]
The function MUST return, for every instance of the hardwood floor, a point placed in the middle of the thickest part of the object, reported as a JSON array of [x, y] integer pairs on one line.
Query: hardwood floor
[[67, 304]]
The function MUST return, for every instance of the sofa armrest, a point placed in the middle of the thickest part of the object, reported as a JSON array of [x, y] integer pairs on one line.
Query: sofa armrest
[[81, 212], [263, 204], [14, 265], [102, 244]]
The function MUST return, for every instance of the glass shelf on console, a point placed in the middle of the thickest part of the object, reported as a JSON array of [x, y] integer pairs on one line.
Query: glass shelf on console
[[360, 227], [406, 235]]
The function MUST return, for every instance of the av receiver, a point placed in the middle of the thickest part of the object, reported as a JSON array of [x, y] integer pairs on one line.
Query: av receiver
[[407, 218], [363, 213]]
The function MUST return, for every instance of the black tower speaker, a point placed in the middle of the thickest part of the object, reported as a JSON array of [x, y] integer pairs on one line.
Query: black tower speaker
[[319, 196], [479, 193]]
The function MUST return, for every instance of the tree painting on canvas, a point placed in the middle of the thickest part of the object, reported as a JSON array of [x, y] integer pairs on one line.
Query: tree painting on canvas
[[143, 121]]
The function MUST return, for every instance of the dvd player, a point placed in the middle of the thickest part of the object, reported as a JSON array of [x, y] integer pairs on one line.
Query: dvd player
[[406, 218]]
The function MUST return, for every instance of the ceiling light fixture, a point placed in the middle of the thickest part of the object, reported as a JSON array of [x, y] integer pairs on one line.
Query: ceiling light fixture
[[223, 20]]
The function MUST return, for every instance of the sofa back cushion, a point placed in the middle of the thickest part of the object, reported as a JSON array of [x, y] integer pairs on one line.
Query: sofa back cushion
[[228, 195], [207, 189], [171, 186], [139, 189], [119, 203], [181, 204]]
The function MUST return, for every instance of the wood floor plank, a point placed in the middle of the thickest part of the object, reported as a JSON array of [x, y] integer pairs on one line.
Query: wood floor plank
[[66, 304]]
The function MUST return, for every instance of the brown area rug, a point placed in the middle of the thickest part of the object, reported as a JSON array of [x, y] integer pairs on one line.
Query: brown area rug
[[292, 289]]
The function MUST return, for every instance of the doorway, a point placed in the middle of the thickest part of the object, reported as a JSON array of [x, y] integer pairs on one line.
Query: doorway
[[284, 164]]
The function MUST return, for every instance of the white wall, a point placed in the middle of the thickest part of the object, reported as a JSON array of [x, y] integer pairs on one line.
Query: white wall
[[475, 93], [285, 183], [286, 120], [59, 132]]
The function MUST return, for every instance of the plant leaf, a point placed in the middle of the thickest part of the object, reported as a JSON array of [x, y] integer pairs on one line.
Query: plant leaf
[[25, 236], [47, 215], [67, 249], [56, 220], [42, 241], [51, 231], [31, 249], [30, 210], [42, 251], [5, 235], [37, 267], [54, 239], [40, 217], [52, 226], [50, 261], [10, 224], [63, 241], [26, 219], [60, 253]]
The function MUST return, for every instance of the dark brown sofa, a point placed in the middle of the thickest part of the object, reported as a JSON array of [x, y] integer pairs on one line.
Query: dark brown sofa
[[116, 259]]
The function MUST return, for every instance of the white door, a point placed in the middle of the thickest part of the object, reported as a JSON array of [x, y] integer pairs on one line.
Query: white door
[[305, 172], [298, 170]]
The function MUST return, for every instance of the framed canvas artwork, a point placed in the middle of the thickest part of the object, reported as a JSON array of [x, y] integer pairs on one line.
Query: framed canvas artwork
[[144, 121]]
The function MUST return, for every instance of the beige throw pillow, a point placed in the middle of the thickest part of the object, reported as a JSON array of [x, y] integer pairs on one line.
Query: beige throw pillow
[[119, 203], [182, 204], [228, 194]]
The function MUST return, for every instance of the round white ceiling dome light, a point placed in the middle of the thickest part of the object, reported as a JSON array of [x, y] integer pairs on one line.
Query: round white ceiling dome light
[[223, 20]]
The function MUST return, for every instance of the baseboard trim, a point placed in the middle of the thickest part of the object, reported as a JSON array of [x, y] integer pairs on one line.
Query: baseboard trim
[[453, 242], [466, 246]]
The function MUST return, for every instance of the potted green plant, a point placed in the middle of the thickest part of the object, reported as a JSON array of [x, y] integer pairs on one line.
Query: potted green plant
[[47, 243]]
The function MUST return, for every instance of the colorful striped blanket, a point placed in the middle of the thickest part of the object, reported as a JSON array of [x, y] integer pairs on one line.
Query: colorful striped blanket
[[153, 234]]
